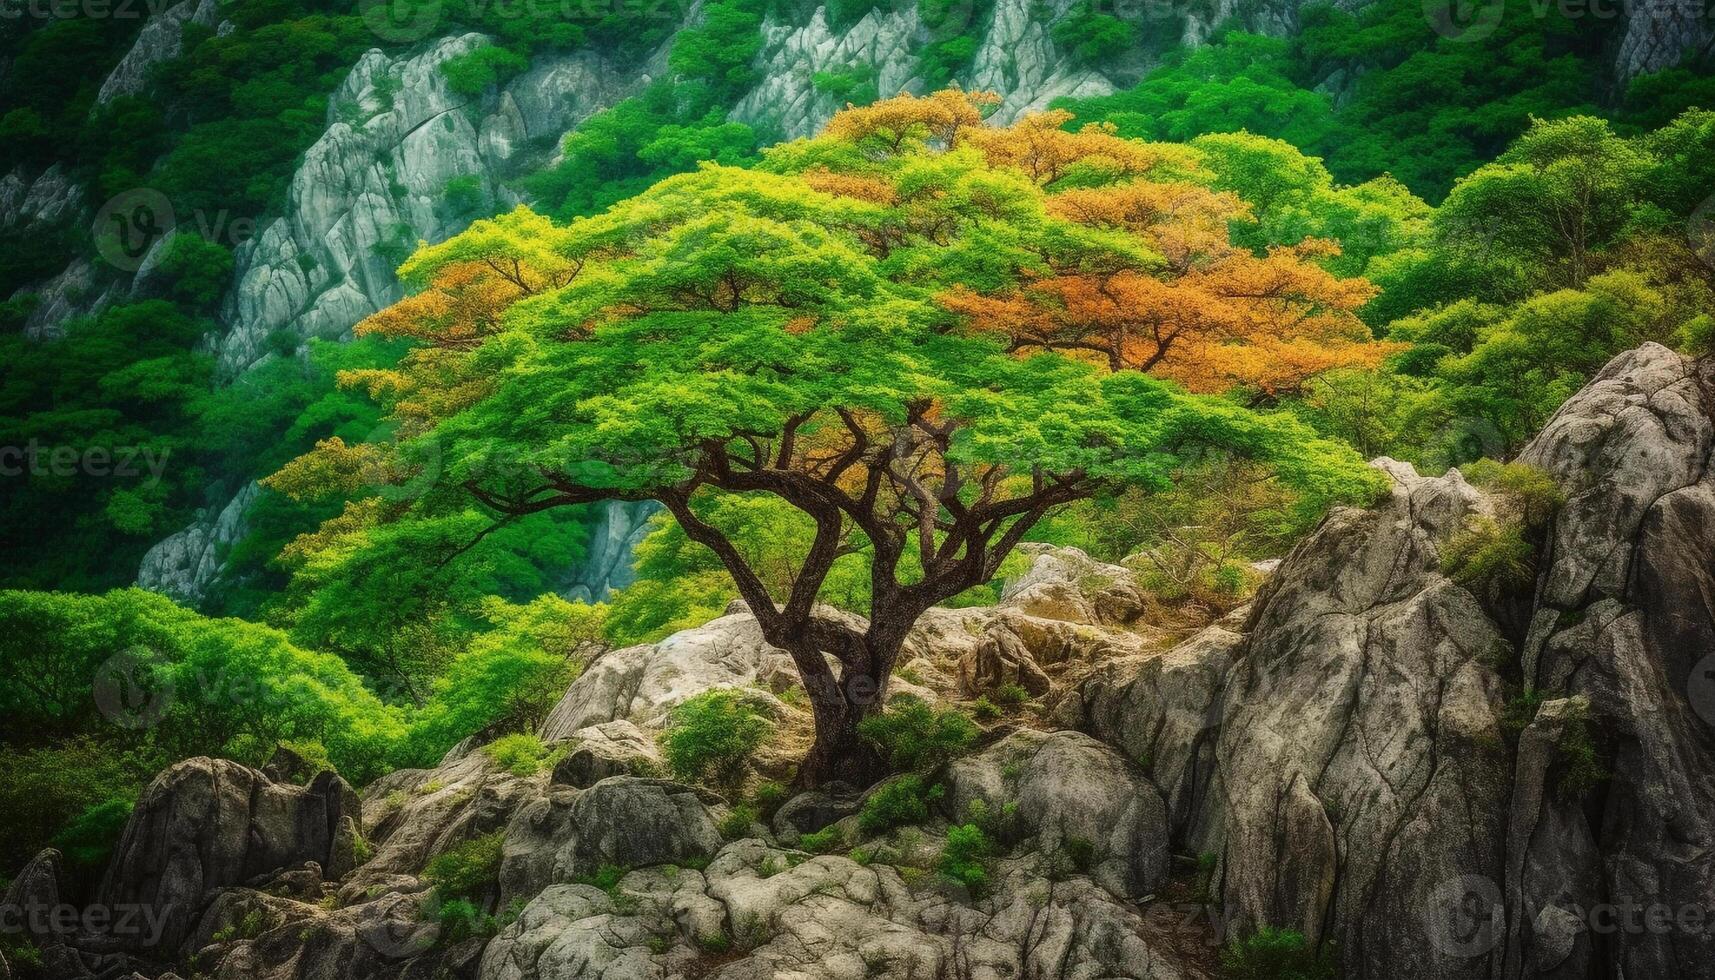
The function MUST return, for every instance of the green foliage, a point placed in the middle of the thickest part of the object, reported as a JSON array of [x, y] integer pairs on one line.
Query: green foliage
[[982, 709], [199, 269], [825, 841], [898, 802], [88, 840], [1011, 695], [467, 870], [1277, 954], [1091, 36], [461, 919], [916, 737], [216, 684], [477, 69], [855, 85], [1489, 555], [520, 754], [964, 857], [508, 677], [712, 735], [737, 822]]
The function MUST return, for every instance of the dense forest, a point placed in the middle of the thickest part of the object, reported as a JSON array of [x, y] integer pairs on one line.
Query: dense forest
[[856, 375]]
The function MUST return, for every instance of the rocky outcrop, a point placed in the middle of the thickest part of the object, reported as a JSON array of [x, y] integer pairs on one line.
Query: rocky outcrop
[[615, 748], [1660, 34], [757, 912], [1074, 795], [209, 823], [160, 40], [186, 564], [374, 185], [621, 822], [1441, 786]]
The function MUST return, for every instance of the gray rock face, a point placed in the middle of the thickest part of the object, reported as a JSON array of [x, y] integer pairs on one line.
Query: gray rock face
[[824, 917], [615, 748], [623, 821], [160, 40], [207, 823], [1660, 34], [641, 684], [186, 564], [373, 186], [613, 540], [1345, 758], [1361, 762], [1072, 792], [1621, 645]]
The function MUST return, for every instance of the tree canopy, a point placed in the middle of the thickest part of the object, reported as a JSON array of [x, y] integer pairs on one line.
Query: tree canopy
[[820, 330]]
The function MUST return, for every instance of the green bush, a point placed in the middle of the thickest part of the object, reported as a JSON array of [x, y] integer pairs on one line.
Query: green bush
[[520, 754], [1011, 695], [467, 870], [1488, 554], [88, 840], [712, 736], [736, 824], [901, 801], [475, 70], [982, 709], [824, 841], [1277, 954], [916, 737], [461, 919], [962, 859], [768, 796]]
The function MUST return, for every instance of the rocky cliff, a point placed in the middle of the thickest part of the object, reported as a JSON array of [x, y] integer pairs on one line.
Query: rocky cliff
[[1424, 774]]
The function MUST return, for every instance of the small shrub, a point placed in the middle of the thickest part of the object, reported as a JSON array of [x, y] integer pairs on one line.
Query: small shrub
[[713, 735], [520, 754], [768, 796], [607, 878], [914, 736], [715, 942], [1277, 954], [736, 824], [899, 802], [1011, 695], [1489, 554], [982, 709], [861, 856], [466, 870], [460, 919], [1003, 825], [962, 859], [824, 841]]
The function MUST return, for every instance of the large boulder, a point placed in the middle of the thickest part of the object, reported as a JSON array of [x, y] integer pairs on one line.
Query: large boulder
[[207, 823], [1073, 794], [623, 822], [641, 684], [615, 748]]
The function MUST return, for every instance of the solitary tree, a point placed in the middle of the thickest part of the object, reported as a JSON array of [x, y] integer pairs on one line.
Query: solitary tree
[[785, 331]]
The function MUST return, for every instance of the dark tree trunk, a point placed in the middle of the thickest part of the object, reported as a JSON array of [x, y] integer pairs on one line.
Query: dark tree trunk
[[839, 752], [841, 704]]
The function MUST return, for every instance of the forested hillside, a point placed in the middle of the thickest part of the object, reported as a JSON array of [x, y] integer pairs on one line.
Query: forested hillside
[[377, 374]]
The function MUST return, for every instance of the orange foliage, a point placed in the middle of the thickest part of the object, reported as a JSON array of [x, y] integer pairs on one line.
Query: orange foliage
[[1038, 146], [1228, 318], [905, 118]]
